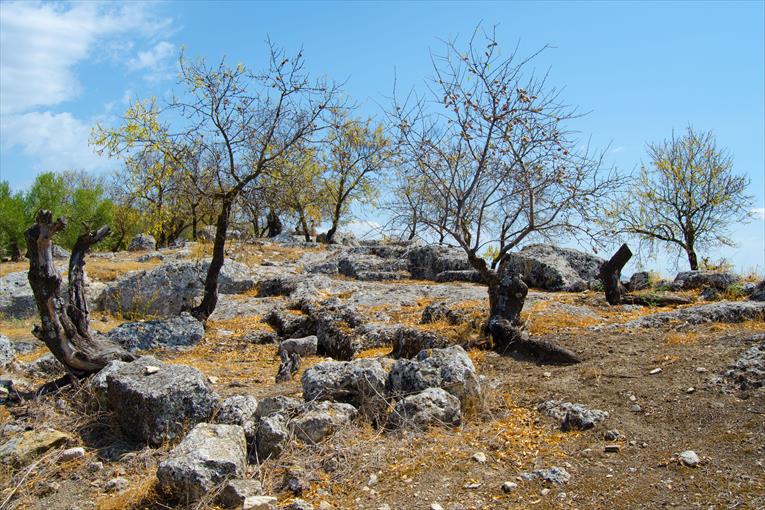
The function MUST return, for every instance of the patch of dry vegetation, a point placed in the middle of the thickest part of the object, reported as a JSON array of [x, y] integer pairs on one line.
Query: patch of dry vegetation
[[13, 267]]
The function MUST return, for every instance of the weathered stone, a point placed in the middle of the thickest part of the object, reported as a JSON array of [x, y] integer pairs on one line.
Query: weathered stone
[[449, 369], [150, 257], [118, 484], [272, 437], [16, 298], [550, 267], [299, 504], [72, 454], [301, 346], [45, 367], [723, 311], [7, 352], [426, 262], [207, 456], [157, 407], [641, 281], [319, 420], [433, 406], [60, 253], [758, 293], [408, 342], [719, 280], [174, 333], [572, 416], [259, 503], [748, 371], [143, 242], [689, 458], [236, 492], [261, 337], [555, 475], [170, 287], [291, 323], [240, 410], [372, 267], [28, 446], [360, 383], [467, 275], [279, 404]]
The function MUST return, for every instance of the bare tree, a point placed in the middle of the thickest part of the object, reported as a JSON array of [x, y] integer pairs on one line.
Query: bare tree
[[490, 141], [687, 199]]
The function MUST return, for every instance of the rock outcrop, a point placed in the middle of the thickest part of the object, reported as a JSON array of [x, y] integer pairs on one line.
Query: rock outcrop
[[548, 267], [173, 333]]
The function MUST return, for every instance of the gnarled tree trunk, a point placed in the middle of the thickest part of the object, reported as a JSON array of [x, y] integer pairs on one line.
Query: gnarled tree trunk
[[610, 275], [273, 224], [210, 299], [64, 326]]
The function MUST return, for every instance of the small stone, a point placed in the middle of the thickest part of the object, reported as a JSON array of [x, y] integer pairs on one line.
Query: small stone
[[436, 506], [633, 398], [259, 503], [300, 504], [372, 480], [545, 492], [612, 448], [690, 390], [701, 370], [386, 506], [689, 458], [117, 485], [509, 486], [473, 485], [96, 466], [655, 371], [213, 379], [151, 369], [635, 408], [612, 435], [323, 505], [236, 492], [479, 457], [72, 453], [547, 374]]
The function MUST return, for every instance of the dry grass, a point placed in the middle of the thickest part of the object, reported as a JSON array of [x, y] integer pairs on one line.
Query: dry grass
[[108, 270], [13, 267]]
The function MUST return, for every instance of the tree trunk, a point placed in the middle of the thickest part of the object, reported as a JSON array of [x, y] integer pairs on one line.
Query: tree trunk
[[273, 223], [610, 274], [210, 298], [692, 259], [65, 326], [616, 294], [194, 223], [304, 226], [15, 251]]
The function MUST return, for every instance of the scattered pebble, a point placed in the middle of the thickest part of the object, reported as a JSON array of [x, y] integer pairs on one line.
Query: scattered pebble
[[117, 485], [635, 408], [213, 379], [547, 374], [545, 492], [612, 435], [479, 457], [473, 485], [509, 486], [151, 369], [436, 506], [655, 371], [690, 390], [689, 458], [372, 479], [612, 448], [701, 370]]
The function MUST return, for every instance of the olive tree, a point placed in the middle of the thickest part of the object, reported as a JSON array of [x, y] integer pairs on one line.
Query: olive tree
[[490, 139], [686, 197]]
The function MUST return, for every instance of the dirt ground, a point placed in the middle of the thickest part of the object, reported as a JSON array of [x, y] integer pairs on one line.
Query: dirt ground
[[658, 414]]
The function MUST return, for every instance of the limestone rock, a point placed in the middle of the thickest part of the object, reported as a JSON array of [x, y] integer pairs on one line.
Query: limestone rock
[[719, 280], [433, 406], [321, 419], [240, 410], [207, 456], [26, 447], [143, 242], [554, 268], [572, 416], [360, 383], [301, 346], [174, 333]]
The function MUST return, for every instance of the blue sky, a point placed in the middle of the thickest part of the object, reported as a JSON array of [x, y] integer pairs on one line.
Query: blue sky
[[640, 69]]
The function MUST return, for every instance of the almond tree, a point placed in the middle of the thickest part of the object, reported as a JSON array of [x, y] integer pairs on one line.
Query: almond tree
[[490, 140], [687, 198]]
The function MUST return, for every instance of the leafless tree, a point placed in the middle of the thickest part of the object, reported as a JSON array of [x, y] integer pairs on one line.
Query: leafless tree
[[490, 140]]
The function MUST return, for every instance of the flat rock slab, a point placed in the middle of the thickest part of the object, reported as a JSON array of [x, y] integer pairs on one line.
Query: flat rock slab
[[173, 333], [206, 457], [555, 268], [30, 445], [724, 312]]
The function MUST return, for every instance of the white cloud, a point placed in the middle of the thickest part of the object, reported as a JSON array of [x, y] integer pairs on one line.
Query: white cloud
[[157, 61], [617, 150], [758, 213], [41, 43], [57, 141]]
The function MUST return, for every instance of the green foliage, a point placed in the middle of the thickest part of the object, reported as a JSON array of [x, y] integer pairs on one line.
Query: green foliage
[[13, 221]]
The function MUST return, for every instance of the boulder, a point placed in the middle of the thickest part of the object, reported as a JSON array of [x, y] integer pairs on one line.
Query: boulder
[[433, 406], [170, 287], [572, 416], [207, 456], [319, 420], [45, 367], [449, 369], [261, 337], [156, 406], [555, 475], [719, 280], [174, 333], [467, 275], [150, 257], [408, 342], [16, 298], [723, 312], [301, 346], [7, 352], [281, 285], [427, 262], [26, 447], [549, 267], [335, 328], [272, 437], [641, 280], [758, 293], [360, 383], [372, 267], [143, 242], [240, 410], [280, 404]]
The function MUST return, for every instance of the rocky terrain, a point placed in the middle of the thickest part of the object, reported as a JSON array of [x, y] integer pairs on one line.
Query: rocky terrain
[[398, 402]]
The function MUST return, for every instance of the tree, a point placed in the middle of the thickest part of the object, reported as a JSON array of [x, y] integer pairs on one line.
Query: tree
[[686, 198], [354, 155], [490, 141], [12, 221], [244, 121]]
